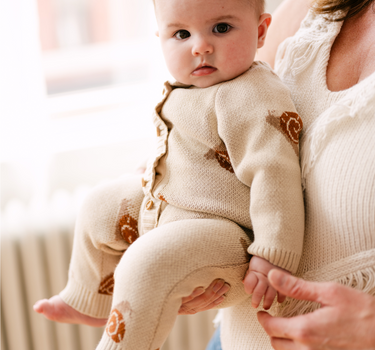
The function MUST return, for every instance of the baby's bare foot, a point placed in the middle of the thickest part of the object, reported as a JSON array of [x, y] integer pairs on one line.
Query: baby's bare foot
[[55, 309]]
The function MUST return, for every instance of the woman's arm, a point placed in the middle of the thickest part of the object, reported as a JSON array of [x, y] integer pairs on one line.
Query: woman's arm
[[285, 23], [346, 319]]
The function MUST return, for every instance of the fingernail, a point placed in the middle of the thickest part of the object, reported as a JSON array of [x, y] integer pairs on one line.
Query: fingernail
[[226, 287], [198, 291], [218, 285], [219, 300]]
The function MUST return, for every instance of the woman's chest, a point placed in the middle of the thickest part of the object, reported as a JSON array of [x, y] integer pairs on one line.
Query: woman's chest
[[339, 182]]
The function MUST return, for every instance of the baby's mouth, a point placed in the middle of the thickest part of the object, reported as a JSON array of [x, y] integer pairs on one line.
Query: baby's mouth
[[203, 70]]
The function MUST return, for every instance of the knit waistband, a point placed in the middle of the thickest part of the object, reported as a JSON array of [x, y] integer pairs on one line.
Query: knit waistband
[[343, 267]]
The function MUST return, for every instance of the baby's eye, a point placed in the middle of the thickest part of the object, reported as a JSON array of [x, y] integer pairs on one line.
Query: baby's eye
[[182, 34], [222, 28]]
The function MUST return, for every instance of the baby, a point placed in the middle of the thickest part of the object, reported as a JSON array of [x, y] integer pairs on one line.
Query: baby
[[222, 186]]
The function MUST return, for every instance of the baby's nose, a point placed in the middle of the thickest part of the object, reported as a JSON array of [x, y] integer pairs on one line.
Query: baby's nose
[[202, 47]]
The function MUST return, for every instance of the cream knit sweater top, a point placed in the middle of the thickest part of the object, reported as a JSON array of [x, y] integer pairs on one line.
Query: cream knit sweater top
[[230, 151], [337, 160]]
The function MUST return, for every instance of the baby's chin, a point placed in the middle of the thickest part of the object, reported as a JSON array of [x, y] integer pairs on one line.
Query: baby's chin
[[205, 82], [210, 80]]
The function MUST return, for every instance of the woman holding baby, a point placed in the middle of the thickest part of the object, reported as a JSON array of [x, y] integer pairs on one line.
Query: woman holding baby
[[329, 66]]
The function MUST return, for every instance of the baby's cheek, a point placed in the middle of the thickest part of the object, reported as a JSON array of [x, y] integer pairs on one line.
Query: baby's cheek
[[238, 60], [178, 63]]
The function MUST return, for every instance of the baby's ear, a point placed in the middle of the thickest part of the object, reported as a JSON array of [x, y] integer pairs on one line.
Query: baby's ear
[[264, 23], [157, 33]]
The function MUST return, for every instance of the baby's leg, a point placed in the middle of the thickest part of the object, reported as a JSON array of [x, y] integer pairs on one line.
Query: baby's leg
[[163, 266], [106, 226]]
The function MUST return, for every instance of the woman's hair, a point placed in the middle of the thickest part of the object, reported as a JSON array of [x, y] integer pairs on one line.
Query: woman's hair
[[349, 8]]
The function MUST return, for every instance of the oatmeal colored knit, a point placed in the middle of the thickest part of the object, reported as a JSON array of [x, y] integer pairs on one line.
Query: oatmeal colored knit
[[226, 164], [338, 168], [232, 150]]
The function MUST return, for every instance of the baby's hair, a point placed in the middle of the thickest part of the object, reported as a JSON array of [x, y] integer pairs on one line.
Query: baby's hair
[[259, 5]]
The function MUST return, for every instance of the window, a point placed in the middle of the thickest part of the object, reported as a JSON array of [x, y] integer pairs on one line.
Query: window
[[96, 43], [79, 79]]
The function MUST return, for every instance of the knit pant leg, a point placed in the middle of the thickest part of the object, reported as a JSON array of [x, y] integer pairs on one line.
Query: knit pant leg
[[163, 266], [105, 227]]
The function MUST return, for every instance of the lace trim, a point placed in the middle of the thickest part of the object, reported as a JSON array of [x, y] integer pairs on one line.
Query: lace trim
[[297, 53], [360, 104]]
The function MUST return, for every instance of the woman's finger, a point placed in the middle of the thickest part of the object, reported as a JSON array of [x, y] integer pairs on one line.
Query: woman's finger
[[205, 300], [215, 303], [197, 292], [285, 344], [291, 286], [209, 296], [325, 293], [279, 327]]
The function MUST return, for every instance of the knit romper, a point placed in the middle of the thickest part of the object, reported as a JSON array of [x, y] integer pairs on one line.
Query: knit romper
[[224, 184]]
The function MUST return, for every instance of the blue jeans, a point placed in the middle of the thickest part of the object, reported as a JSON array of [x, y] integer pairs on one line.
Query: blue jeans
[[215, 343]]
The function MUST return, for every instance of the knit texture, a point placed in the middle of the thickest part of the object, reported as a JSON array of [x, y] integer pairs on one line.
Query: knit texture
[[338, 168], [105, 228], [232, 150], [151, 278], [224, 183]]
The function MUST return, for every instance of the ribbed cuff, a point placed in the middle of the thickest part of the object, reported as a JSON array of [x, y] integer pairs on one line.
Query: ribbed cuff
[[85, 301], [286, 260]]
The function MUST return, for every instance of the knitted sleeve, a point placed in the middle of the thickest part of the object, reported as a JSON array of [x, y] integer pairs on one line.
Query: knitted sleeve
[[260, 128]]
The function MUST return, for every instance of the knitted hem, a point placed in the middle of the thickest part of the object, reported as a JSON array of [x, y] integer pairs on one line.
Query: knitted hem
[[284, 259], [86, 301], [363, 280]]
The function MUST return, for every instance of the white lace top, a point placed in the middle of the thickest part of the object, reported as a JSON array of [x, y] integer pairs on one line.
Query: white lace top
[[337, 160]]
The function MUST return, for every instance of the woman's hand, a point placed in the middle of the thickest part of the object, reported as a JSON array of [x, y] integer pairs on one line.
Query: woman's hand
[[202, 300], [346, 319]]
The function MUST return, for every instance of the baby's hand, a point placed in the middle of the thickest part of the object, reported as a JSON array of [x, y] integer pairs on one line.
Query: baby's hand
[[257, 284]]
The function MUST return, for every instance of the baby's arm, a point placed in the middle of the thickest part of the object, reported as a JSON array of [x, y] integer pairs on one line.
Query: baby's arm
[[256, 283]]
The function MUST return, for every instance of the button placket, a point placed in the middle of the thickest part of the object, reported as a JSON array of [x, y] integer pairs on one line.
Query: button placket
[[150, 214], [149, 204]]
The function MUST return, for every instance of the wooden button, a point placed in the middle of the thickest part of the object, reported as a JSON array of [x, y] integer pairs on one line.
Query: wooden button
[[149, 204], [143, 182], [157, 131]]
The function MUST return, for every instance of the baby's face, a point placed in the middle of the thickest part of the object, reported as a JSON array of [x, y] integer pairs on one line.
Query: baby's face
[[206, 42]]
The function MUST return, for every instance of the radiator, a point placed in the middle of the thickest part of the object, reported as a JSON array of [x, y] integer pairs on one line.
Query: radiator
[[36, 242]]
